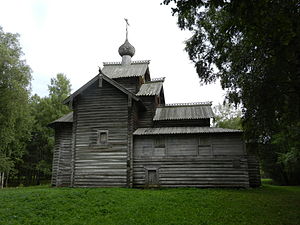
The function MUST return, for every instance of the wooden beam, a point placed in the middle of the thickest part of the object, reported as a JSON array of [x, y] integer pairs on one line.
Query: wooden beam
[[100, 80], [129, 102]]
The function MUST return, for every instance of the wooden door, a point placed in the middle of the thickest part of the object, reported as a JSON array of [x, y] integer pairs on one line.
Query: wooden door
[[152, 178]]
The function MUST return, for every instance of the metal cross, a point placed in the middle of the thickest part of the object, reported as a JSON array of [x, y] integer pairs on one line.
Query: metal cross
[[127, 24]]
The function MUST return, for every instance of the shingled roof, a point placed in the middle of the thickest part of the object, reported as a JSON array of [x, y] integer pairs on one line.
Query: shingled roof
[[184, 111], [117, 70], [151, 88], [183, 130], [67, 118]]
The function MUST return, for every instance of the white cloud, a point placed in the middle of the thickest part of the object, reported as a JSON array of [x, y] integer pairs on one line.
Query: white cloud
[[75, 37]]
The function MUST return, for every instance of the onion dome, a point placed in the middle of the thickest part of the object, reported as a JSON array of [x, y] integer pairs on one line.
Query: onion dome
[[126, 49]]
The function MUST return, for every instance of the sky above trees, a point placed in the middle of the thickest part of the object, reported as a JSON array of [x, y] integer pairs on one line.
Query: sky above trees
[[75, 37]]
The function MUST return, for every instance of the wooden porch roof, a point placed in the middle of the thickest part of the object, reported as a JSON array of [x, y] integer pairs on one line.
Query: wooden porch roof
[[183, 130]]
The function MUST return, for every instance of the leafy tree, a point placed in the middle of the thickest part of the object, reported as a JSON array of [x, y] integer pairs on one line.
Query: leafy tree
[[15, 119], [227, 116], [255, 47], [37, 162]]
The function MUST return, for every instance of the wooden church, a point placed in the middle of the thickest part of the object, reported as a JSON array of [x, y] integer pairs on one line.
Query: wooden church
[[121, 133]]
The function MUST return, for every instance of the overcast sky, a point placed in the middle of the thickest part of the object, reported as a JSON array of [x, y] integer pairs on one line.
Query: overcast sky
[[75, 37]]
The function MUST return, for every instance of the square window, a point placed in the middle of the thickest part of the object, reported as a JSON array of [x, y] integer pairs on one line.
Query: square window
[[159, 142], [204, 146], [102, 137]]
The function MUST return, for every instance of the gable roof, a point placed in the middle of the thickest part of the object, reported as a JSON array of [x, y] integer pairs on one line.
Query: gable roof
[[117, 70], [183, 130], [106, 78], [184, 111], [151, 88]]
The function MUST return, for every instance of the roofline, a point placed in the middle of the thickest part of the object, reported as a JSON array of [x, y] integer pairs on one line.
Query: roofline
[[198, 118], [160, 89], [173, 131], [54, 123], [106, 78], [132, 62], [209, 103], [158, 79]]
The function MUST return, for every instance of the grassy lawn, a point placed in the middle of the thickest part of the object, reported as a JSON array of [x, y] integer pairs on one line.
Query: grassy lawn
[[43, 205]]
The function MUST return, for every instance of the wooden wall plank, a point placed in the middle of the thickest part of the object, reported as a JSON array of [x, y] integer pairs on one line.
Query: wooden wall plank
[[101, 108], [61, 168], [184, 166]]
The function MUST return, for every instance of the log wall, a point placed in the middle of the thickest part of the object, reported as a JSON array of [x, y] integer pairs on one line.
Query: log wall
[[61, 167], [130, 83], [254, 171], [96, 164], [146, 117], [190, 161], [183, 123]]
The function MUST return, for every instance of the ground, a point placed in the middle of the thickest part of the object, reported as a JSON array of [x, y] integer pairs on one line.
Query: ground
[[44, 205]]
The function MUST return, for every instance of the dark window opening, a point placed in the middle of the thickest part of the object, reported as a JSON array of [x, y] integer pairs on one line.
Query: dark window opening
[[159, 142], [102, 137]]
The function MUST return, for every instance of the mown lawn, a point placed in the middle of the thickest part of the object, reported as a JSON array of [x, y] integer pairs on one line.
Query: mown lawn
[[43, 205]]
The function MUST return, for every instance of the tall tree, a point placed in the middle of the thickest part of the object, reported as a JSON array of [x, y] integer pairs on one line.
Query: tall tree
[[227, 116], [37, 162], [15, 119], [255, 46]]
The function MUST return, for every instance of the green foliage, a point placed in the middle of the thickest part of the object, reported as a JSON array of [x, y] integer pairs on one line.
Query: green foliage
[[255, 47], [42, 205], [26, 142], [59, 90], [226, 116], [37, 161], [15, 119]]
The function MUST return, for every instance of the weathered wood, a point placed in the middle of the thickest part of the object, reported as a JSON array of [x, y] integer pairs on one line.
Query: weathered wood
[[99, 150], [101, 108], [254, 171], [61, 167], [146, 117], [130, 83], [184, 165], [182, 123], [100, 81]]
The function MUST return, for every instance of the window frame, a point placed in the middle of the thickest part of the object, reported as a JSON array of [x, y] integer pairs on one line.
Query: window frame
[[159, 142], [98, 140]]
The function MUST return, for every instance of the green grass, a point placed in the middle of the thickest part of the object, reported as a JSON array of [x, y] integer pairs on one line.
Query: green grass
[[43, 205]]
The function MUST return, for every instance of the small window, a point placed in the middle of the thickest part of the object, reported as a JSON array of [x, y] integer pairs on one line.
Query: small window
[[159, 142], [204, 142], [204, 146], [102, 137]]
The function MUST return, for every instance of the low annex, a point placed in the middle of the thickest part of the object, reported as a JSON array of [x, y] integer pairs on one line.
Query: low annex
[[121, 133]]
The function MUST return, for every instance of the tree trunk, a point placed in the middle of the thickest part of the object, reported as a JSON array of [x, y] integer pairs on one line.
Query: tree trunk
[[6, 180], [1, 179]]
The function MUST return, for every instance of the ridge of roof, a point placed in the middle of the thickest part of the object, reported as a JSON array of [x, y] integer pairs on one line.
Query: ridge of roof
[[132, 62], [158, 79], [209, 103]]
